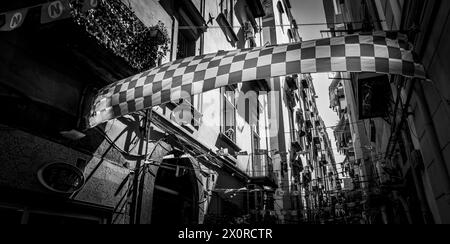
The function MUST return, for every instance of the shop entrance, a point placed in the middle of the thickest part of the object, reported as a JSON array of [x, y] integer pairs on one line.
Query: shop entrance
[[175, 198]]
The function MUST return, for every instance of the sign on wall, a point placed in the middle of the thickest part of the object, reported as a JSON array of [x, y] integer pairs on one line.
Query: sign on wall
[[61, 178], [374, 96]]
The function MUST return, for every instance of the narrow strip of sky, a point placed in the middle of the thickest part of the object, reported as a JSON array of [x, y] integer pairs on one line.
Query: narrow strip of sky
[[312, 11]]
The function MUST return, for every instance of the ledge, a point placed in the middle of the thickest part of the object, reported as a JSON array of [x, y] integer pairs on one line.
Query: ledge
[[229, 142]]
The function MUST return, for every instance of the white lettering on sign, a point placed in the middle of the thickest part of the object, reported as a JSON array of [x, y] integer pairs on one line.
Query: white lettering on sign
[[55, 9], [16, 20]]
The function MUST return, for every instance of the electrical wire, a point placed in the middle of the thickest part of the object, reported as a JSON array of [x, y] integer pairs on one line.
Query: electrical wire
[[160, 164], [274, 26], [173, 167], [331, 127]]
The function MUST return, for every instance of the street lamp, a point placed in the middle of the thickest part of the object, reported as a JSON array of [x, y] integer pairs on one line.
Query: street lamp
[[156, 33]]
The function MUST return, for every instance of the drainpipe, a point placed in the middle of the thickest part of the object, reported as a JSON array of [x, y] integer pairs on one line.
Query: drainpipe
[[202, 38], [439, 160]]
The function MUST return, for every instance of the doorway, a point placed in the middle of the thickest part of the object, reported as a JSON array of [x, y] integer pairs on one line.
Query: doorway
[[175, 198]]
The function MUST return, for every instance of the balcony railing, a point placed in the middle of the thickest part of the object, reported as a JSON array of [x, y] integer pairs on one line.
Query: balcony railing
[[262, 167]]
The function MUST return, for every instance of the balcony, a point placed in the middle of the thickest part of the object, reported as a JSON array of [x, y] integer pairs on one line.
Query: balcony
[[114, 25], [263, 173]]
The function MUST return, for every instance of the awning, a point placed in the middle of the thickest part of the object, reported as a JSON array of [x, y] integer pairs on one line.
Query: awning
[[378, 52]]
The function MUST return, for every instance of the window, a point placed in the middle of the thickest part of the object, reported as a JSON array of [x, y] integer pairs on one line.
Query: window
[[290, 35], [294, 24], [186, 47], [258, 159], [254, 123], [226, 7], [252, 111], [256, 140], [281, 12], [337, 7], [293, 131], [287, 3], [229, 112], [280, 7]]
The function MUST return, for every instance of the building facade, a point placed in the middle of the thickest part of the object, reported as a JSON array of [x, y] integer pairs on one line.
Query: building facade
[[215, 158], [398, 123], [316, 176]]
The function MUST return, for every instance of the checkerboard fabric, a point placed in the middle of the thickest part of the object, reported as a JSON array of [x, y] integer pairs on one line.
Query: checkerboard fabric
[[379, 52]]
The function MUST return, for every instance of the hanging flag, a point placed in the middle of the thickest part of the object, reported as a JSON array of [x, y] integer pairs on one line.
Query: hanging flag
[[55, 10], [13, 19], [89, 4], [378, 52]]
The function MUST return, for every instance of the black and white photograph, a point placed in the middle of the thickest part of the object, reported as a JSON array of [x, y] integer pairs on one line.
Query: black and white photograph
[[233, 113]]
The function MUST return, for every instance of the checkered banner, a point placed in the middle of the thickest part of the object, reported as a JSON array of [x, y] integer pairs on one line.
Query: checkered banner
[[379, 52]]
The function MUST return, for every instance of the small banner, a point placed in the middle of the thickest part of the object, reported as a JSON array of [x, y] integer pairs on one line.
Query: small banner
[[14, 19], [55, 10], [89, 4], [50, 12]]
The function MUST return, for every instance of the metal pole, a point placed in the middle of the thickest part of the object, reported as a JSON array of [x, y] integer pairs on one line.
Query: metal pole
[[136, 198]]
